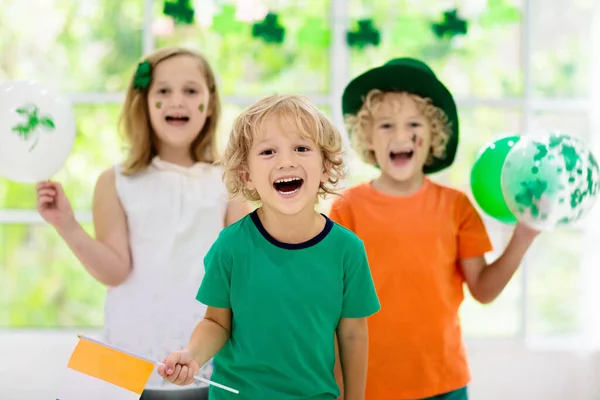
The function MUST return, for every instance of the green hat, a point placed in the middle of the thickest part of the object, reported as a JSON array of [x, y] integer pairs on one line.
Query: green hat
[[412, 76]]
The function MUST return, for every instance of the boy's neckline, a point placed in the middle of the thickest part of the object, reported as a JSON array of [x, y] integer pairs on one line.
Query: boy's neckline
[[426, 183], [291, 246]]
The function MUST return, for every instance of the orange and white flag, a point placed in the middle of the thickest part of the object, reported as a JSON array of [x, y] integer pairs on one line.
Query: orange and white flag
[[97, 371]]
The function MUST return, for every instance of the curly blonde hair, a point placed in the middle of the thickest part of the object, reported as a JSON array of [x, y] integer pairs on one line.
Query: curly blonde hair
[[359, 126], [297, 110], [135, 126]]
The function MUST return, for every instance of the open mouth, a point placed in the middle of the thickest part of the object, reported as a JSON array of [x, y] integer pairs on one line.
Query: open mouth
[[288, 186], [401, 156], [177, 120]]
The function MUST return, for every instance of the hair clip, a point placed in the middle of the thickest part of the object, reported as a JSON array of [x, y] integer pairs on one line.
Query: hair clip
[[143, 76]]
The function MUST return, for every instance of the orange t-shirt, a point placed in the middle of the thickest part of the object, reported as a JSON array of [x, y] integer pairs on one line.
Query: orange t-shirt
[[414, 245]]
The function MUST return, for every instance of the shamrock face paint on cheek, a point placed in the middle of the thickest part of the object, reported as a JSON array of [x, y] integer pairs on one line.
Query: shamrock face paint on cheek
[[201, 107], [417, 140], [158, 104]]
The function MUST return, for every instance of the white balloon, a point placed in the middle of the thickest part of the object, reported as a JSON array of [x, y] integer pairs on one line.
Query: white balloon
[[37, 131], [550, 180]]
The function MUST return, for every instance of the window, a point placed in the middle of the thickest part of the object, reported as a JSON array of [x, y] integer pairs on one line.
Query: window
[[85, 46], [248, 66], [560, 43], [44, 286], [482, 64], [523, 66]]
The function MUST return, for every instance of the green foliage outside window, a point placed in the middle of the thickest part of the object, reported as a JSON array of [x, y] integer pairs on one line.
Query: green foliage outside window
[[93, 46]]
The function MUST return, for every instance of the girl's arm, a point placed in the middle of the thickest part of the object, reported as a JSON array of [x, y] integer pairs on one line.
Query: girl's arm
[[353, 342], [210, 335], [107, 257], [236, 209]]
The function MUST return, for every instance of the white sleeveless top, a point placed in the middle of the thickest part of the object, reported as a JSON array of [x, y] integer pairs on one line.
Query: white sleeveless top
[[174, 215]]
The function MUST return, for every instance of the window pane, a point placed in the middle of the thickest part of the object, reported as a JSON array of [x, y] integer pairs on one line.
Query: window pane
[[43, 284], [229, 112], [97, 147], [569, 122], [484, 63], [553, 263], [90, 45], [561, 41], [247, 65]]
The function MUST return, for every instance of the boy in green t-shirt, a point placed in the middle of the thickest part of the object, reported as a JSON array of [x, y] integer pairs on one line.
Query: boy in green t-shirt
[[282, 281]]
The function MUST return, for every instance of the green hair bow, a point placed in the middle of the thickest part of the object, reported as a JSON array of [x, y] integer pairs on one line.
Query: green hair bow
[[143, 76]]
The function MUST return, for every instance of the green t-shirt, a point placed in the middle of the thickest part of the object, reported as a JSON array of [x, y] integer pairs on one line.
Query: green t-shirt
[[286, 301]]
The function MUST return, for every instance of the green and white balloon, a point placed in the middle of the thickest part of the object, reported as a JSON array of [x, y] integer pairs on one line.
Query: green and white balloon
[[37, 131], [550, 180]]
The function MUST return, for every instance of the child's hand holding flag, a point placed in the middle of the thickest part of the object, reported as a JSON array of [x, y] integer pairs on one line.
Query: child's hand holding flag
[[179, 368], [97, 371]]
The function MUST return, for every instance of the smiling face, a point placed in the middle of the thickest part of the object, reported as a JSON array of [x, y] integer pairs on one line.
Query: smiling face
[[400, 137], [178, 101], [285, 167]]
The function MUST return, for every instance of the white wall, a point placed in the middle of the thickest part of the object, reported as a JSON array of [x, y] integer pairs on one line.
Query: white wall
[[31, 363]]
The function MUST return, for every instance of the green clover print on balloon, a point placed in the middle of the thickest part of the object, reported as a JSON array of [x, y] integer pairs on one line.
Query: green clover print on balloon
[[28, 130]]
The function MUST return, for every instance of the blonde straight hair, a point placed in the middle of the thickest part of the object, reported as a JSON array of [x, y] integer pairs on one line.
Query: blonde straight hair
[[135, 126]]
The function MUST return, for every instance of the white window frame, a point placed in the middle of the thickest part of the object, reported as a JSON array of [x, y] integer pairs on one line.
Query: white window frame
[[339, 76]]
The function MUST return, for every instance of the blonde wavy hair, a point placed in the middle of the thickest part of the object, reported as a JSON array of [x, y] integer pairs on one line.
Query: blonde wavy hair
[[298, 111], [135, 126], [360, 126]]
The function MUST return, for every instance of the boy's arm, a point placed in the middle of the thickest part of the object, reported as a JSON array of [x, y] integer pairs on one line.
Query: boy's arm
[[337, 369], [359, 302], [353, 343], [485, 281], [210, 335]]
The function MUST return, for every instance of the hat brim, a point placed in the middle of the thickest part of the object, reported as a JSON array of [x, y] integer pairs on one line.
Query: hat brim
[[412, 80]]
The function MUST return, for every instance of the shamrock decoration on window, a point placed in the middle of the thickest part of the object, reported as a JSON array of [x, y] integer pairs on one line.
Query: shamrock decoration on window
[[366, 34], [451, 26], [29, 129], [269, 29], [180, 10]]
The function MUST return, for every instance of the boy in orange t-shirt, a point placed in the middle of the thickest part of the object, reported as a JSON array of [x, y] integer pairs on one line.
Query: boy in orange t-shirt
[[423, 240]]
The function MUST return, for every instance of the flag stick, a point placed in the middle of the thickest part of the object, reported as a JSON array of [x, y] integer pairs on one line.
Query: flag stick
[[198, 378]]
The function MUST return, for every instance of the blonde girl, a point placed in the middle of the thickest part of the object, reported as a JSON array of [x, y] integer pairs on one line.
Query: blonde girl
[[156, 214]]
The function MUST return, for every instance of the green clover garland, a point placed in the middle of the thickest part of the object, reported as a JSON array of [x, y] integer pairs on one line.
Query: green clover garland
[[269, 29], [143, 76], [181, 11], [366, 34], [451, 26]]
